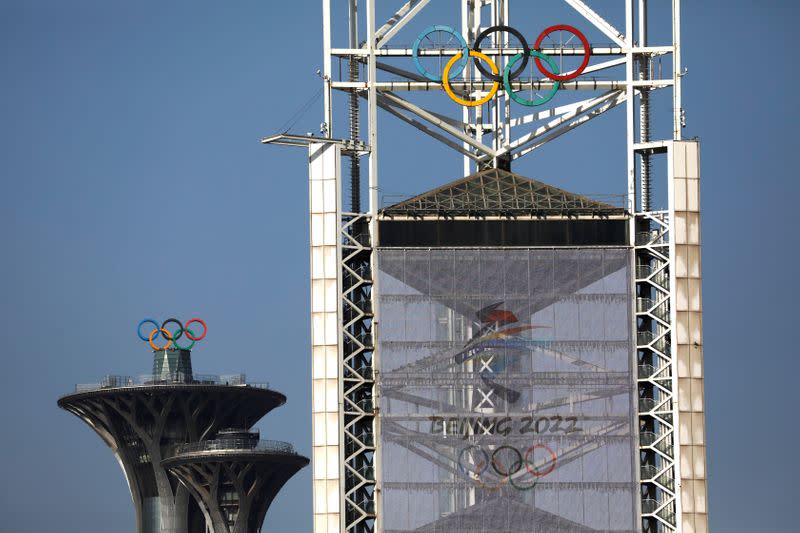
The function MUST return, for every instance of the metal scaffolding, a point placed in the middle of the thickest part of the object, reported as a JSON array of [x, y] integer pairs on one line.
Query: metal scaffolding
[[489, 137]]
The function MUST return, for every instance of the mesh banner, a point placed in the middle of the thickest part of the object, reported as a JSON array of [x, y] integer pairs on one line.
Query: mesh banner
[[506, 390]]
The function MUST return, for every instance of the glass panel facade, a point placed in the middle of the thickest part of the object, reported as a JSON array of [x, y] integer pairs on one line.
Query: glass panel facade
[[506, 390]]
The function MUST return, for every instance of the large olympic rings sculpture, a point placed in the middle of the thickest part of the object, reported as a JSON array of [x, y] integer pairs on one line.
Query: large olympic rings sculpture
[[515, 66], [510, 471], [171, 336]]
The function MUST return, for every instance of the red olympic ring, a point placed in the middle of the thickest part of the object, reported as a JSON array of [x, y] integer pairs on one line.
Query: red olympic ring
[[533, 470], [587, 52], [199, 337]]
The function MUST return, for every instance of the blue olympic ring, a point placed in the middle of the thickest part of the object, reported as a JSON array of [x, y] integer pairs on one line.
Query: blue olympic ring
[[156, 325], [461, 41]]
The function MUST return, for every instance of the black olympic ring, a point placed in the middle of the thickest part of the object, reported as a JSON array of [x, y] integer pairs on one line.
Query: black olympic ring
[[178, 332], [514, 468], [508, 29]]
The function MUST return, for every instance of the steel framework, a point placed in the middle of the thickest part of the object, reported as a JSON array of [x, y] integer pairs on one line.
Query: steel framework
[[347, 463]]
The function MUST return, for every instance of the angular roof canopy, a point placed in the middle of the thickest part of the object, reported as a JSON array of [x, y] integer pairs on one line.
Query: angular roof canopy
[[499, 514], [501, 193]]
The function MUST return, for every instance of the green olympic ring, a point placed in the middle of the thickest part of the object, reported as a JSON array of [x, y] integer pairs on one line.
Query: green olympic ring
[[537, 101], [178, 334]]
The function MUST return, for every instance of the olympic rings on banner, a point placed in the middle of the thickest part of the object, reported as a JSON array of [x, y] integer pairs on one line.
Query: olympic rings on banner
[[474, 462], [171, 336], [518, 99], [452, 95], [439, 28], [513, 69], [587, 52]]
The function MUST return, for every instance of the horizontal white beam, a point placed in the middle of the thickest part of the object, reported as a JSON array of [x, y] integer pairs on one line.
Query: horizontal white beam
[[407, 52], [486, 86]]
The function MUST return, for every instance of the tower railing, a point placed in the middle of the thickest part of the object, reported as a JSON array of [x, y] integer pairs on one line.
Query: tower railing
[[235, 444], [172, 378]]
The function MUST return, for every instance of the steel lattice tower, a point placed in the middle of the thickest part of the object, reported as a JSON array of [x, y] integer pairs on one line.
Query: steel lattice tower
[[665, 243]]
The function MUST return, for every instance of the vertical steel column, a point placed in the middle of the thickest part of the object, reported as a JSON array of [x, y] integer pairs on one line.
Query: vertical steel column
[[326, 65], [629, 107], [677, 105], [470, 28], [372, 112], [373, 324], [357, 235], [506, 129], [354, 71], [644, 110], [467, 7]]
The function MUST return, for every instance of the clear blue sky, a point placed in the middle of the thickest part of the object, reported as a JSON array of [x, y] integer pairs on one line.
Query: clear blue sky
[[132, 184]]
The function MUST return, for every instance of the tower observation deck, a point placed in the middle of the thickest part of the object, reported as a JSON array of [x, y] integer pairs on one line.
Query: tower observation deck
[[148, 421], [236, 476]]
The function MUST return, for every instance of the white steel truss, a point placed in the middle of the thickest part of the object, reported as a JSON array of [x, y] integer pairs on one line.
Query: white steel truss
[[657, 414], [491, 136]]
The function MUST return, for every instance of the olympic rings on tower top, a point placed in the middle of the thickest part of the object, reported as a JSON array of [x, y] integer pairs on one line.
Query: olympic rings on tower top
[[514, 68], [171, 337]]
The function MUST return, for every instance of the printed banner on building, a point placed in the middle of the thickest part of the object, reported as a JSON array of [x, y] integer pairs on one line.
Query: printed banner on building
[[506, 390]]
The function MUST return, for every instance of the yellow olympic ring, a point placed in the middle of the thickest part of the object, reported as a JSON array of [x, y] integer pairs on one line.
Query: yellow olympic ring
[[446, 80], [477, 479], [167, 335]]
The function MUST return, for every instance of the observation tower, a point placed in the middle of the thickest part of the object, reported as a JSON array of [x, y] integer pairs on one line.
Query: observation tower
[[147, 419]]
